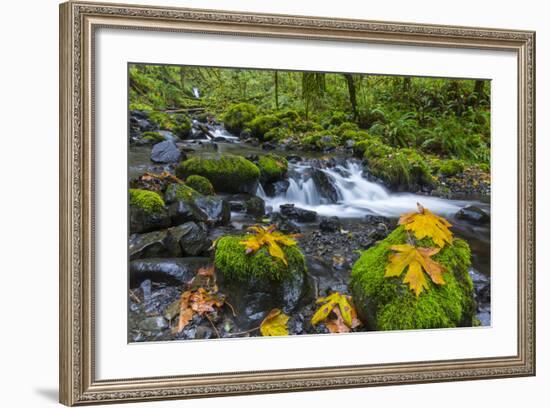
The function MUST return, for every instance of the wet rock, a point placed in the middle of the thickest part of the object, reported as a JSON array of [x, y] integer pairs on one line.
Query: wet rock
[[153, 324], [330, 224], [294, 158], [473, 214], [324, 185], [144, 221], [284, 225], [245, 134], [377, 219], [166, 152], [298, 214], [183, 211], [217, 210], [255, 206], [191, 238], [277, 188], [269, 146], [166, 270], [237, 206], [149, 245], [146, 289]]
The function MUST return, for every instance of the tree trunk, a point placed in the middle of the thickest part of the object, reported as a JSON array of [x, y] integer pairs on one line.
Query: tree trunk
[[276, 78], [352, 94], [479, 91]]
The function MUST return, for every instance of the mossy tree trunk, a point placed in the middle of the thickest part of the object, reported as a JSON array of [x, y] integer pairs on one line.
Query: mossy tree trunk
[[352, 94]]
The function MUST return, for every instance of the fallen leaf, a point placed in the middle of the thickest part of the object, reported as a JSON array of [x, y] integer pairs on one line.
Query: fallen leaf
[[274, 324], [186, 313], [267, 236], [424, 223], [206, 271], [345, 310], [416, 259]]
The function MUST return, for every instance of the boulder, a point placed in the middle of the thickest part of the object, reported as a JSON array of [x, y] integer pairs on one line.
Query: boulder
[[255, 206], [330, 224], [217, 210], [277, 188], [150, 245], [473, 214], [298, 214], [165, 152], [175, 271], [191, 238], [147, 211], [324, 185]]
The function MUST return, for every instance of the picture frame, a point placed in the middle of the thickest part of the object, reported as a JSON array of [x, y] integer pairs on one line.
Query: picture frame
[[79, 24]]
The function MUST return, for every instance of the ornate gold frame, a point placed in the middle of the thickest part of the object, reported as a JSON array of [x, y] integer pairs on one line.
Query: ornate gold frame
[[78, 22]]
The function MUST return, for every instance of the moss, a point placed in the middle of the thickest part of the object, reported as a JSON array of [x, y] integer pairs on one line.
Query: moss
[[451, 167], [200, 184], [319, 141], [148, 201], [401, 169], [336, 119], [277, 133], [272, 167], [236, 265], [176, 123], [371, 148], [288, 115], [182, 192], [231, 174], [237, 117], [262, 124], [140, 107], [389, 304], [152, 137], [345, 127]]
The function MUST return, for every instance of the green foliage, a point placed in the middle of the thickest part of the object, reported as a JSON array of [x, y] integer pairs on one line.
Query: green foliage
[[277, 134], [451, 167], [262, 124], [152, 137], [387, 304], [320, 141], [230, 174], [232, 260], [200, 184], [148, 201], [401, 169], [176, 123], [272, 167], [237, 117]]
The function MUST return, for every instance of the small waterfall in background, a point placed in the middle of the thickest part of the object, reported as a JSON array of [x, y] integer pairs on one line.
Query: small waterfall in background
[[357, 196], [196, 92]]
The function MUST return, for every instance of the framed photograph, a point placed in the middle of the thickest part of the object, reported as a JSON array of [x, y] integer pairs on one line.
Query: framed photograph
[[256, 203]]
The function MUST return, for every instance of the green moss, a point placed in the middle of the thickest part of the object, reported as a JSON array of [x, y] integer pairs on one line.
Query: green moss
[[288, 115], [141, 107], [200, 184], [336, 119], [238, 116], [262, 124], [176, 123], [148, 201], [345, 127], [451, 167], [389, 304], [277, 133], [236, 265], [182, 192], [319, 141], [152, 137], [272, 167], [231, 174], [402, 168], [371, 148]]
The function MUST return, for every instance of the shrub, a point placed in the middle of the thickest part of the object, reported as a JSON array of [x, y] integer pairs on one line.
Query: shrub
[[388, 304], [200, 184]]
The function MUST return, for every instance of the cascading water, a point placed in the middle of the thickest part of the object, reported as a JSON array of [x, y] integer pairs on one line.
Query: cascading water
[[357, 196]]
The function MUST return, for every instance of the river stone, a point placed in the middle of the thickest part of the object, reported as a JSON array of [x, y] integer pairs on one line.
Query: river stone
[[298, 214], [153, 324], [284, 225], [324, 185], [183, 211], [166, 270], [143, 221], [217, 210], [191, 237], [165, 152], [330, 224], [473, 214], [151, 244], [277, 188], [255, 206]]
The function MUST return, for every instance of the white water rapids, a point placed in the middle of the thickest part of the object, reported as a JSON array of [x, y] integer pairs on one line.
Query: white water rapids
[[357, 196]]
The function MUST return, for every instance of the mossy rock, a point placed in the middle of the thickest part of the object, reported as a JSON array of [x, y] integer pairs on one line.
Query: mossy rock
[[451, 167], [402, 169], [175, 192], [238, 116], [262, 124], [272, 168], [371, 148], [232, 260], [277, 134], [320, 141], [200, 184], [179, 124], [148, 201], [389, 304], [152, 137], [229, 174]]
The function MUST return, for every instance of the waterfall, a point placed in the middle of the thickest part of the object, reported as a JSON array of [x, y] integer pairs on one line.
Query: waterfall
[[357, 196]]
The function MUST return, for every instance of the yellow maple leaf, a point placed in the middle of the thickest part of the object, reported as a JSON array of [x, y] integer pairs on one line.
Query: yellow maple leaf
[[274, 324], [424, 223], [416, 259], [345, 312], [268, 237]]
